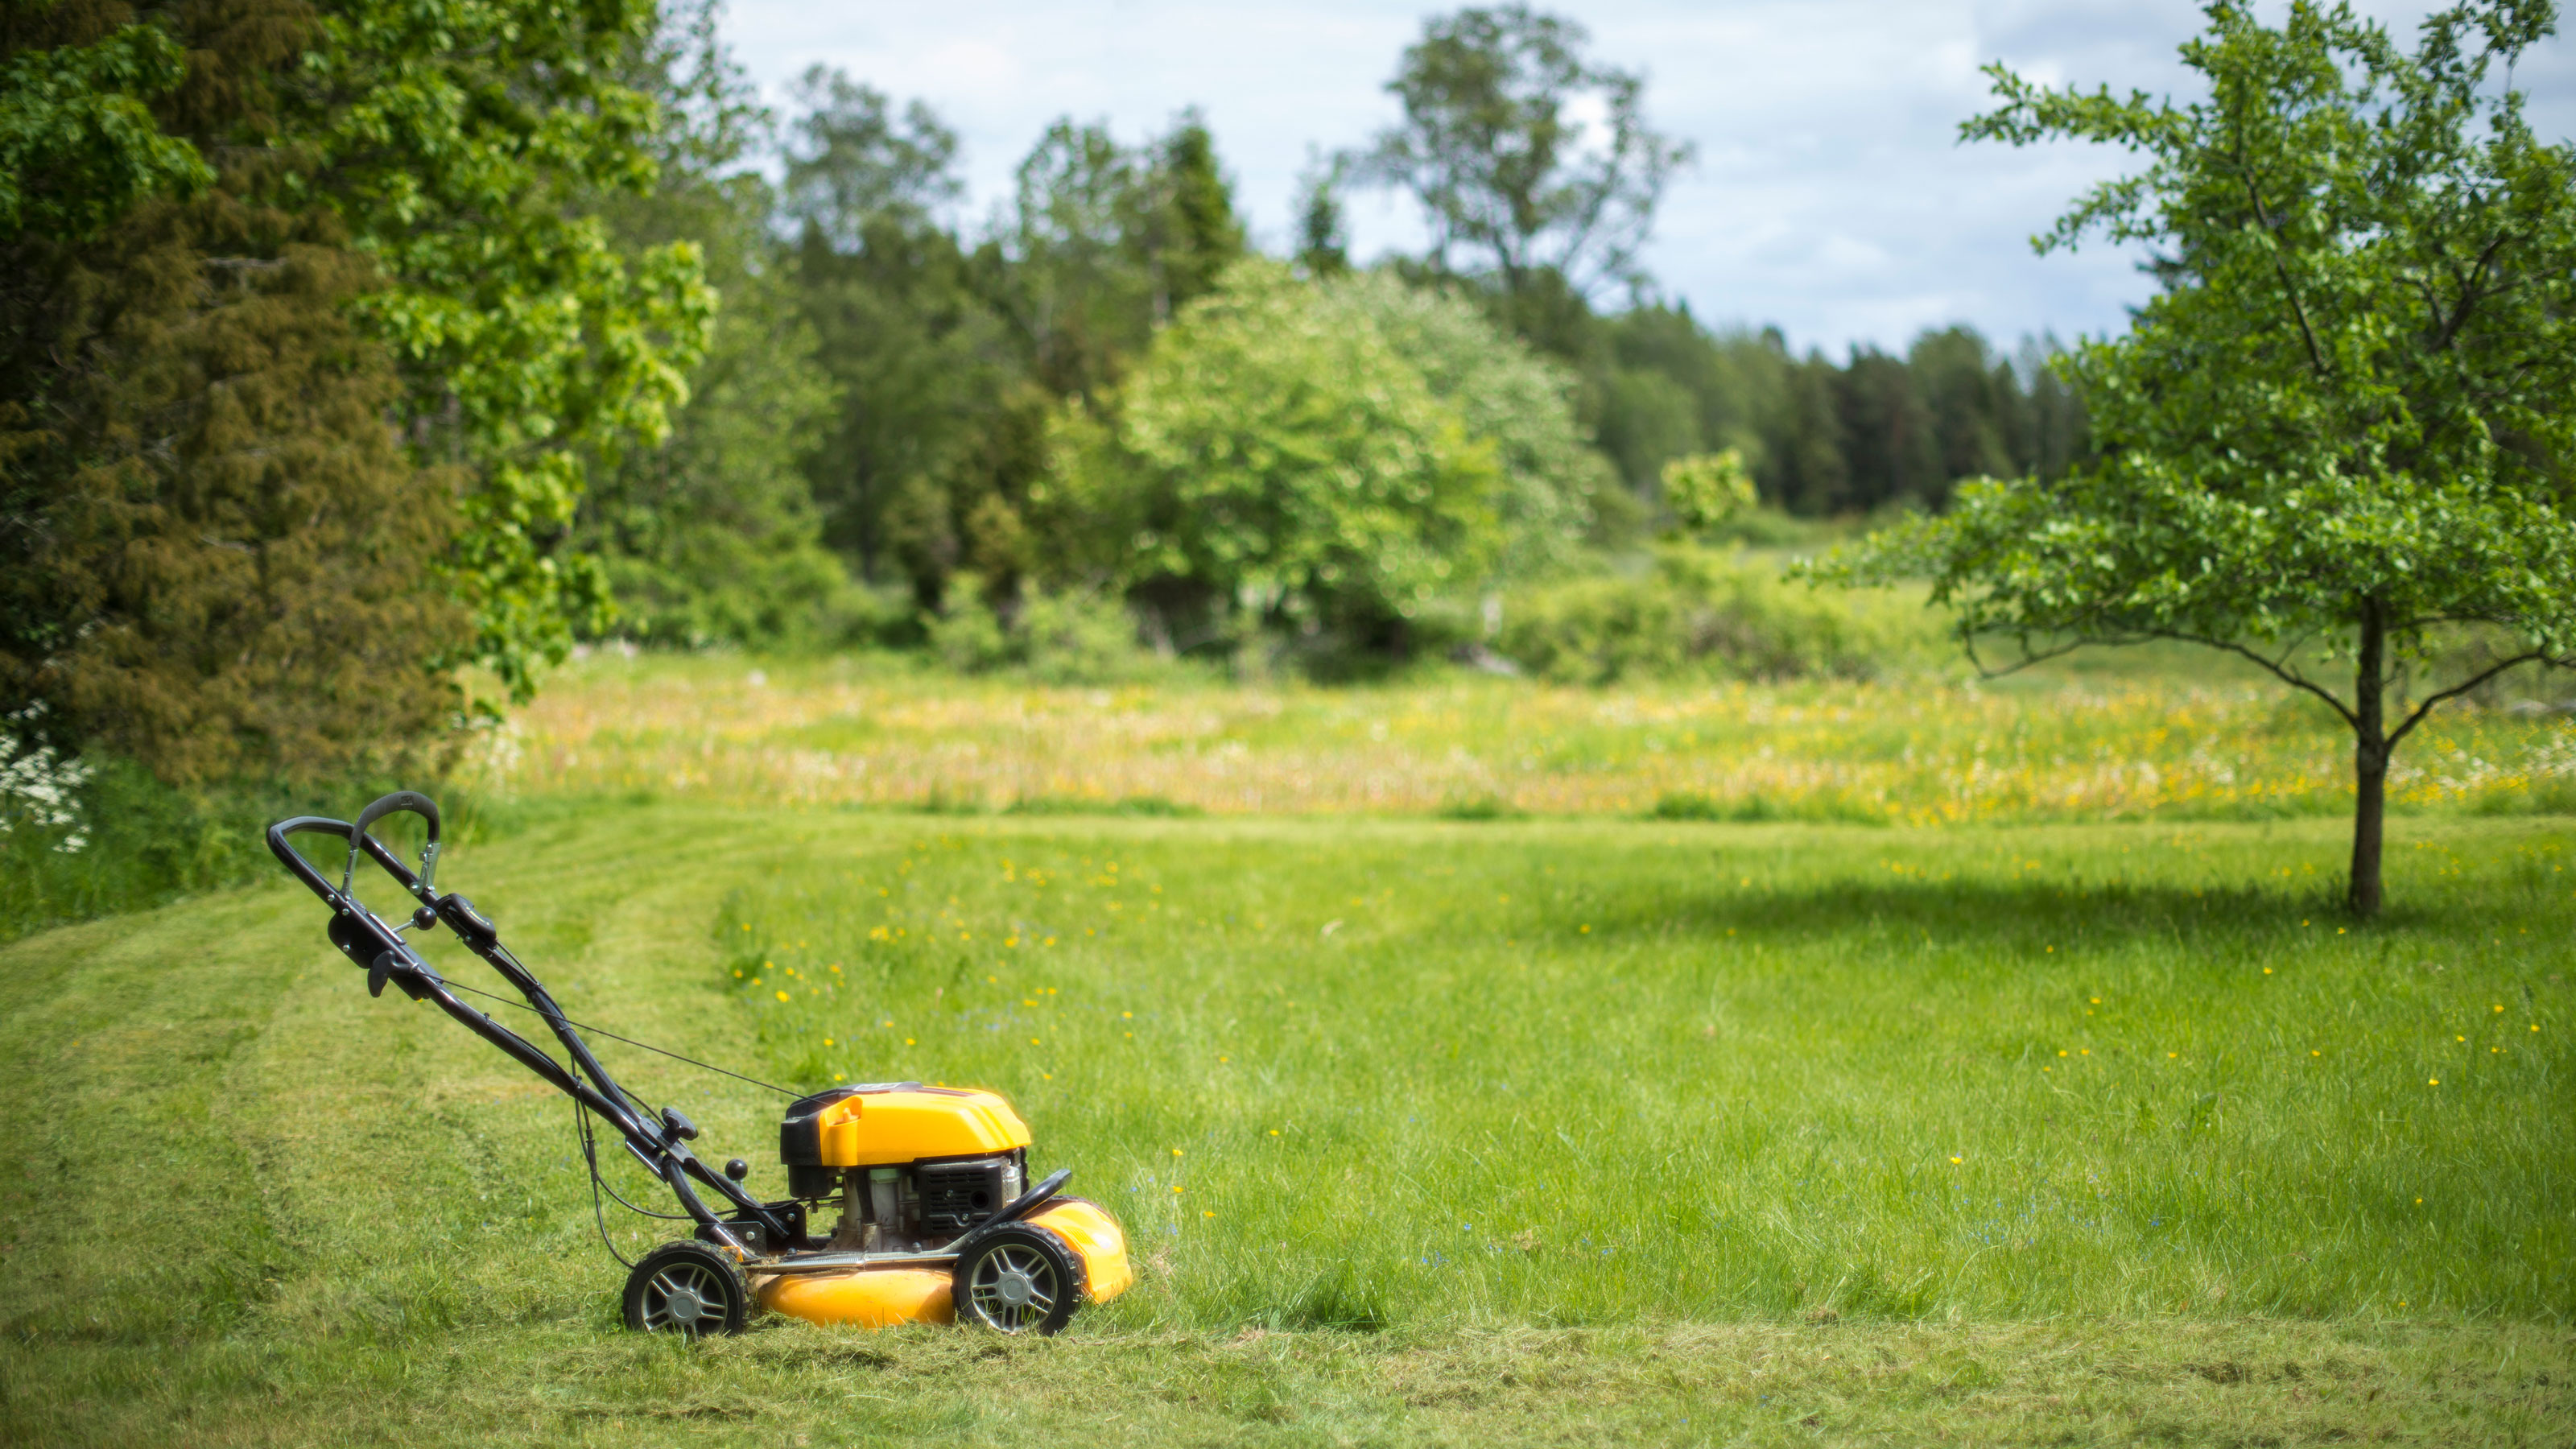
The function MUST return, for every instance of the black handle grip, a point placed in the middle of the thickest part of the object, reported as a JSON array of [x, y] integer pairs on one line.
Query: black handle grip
[[413, 801]]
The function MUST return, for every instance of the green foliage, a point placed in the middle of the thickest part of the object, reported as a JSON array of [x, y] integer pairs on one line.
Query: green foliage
[[1053, 638], [1521, 404], [1823, 439], [714, 537], [2347, 420], [456, 140], [1707, 490], [1277, 453], [1701, 614], [79, 145], [218, 559], [132, 842]]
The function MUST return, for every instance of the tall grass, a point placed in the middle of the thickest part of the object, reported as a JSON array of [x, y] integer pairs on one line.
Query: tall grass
[[2156, 745], [1512, 1074]]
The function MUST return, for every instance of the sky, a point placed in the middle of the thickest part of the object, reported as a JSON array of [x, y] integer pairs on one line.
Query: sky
[[1831, 197]]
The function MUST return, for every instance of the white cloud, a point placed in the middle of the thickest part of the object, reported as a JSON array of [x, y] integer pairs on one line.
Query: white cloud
[[1831, 196]]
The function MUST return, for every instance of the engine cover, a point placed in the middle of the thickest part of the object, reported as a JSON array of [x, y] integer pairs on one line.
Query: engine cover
[[896, 1124]]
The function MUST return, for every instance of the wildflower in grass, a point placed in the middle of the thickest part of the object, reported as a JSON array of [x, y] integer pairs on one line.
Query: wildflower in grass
[[1176, 1187], [1956, 1160], [1033, 1041], [907, 1041], [1176, 1152], [782, 996], [1208, 1214], [2433, 1082], [1274, 1131], [827, 1041]]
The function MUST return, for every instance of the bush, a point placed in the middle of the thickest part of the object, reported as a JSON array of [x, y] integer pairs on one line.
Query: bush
[[1696, 613], [1067, 638], [131, 842]]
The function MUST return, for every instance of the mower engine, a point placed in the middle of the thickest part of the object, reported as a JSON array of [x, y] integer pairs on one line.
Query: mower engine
[[910, 1166], [937, 1218]]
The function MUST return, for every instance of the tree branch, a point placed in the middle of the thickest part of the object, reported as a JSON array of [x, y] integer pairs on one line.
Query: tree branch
[[2481, 677], [2470, 296], [2298, 309], [2277, 668]]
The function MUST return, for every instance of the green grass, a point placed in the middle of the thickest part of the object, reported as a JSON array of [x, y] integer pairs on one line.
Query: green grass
[[1683, 1176]]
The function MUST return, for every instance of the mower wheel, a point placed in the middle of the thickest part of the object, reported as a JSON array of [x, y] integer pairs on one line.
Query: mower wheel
[[689, 1289], [1022, 1279]]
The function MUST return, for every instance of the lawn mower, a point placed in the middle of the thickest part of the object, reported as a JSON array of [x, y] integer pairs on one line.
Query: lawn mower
[[937, 1221]]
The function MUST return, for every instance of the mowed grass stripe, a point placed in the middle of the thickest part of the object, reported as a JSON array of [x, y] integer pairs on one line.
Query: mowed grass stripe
[[259, 1200]]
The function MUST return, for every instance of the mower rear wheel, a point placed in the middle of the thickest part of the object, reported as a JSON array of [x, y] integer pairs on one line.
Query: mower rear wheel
[[689, 1289], [1020, 1280]]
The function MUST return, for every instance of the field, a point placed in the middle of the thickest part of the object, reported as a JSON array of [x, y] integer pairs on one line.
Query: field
[[1580, 1128], [2122, 736]]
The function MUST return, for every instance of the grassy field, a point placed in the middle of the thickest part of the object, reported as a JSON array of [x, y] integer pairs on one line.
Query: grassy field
[[2121, 735], [1582, 1131]]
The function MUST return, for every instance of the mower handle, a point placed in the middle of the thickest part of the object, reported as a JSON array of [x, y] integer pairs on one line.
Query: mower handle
[[413, 801], [306, 871]]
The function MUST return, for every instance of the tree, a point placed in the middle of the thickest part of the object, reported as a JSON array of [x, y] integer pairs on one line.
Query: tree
[[79, 145], [932, 388], [713, 536], [1495, 148], [1275, 453], [215, 557], [2345, 423], [459, 143]]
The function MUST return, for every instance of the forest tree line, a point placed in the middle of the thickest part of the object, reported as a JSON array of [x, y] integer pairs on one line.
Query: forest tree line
[[346, 346]]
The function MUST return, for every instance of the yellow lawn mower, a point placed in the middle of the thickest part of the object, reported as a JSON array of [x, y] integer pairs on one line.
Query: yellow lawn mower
[[937, 1220]]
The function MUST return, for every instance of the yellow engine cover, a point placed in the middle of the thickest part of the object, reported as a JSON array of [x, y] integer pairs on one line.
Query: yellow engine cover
[[877, 1129]]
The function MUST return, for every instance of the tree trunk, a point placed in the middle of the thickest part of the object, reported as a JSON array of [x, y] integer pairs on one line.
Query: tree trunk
[[2370, 762]]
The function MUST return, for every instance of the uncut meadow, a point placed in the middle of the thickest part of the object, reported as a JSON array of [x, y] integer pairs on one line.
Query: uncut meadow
[[2152, 736]]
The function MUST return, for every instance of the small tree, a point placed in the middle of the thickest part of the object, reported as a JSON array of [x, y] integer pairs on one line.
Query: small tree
[[2345, 424]]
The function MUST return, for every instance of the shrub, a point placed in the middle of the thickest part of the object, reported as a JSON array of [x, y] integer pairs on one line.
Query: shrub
[[1055, 638], [1698, 613]]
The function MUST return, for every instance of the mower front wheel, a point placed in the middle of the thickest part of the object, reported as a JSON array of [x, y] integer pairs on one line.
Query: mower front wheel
[[1022, 1279], [689, 1289]]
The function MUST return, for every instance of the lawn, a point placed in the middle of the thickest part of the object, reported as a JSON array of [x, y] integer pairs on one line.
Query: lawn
[[1587, 1131]]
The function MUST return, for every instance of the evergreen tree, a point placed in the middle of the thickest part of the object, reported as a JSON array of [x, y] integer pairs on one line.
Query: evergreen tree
[[217, 557]]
